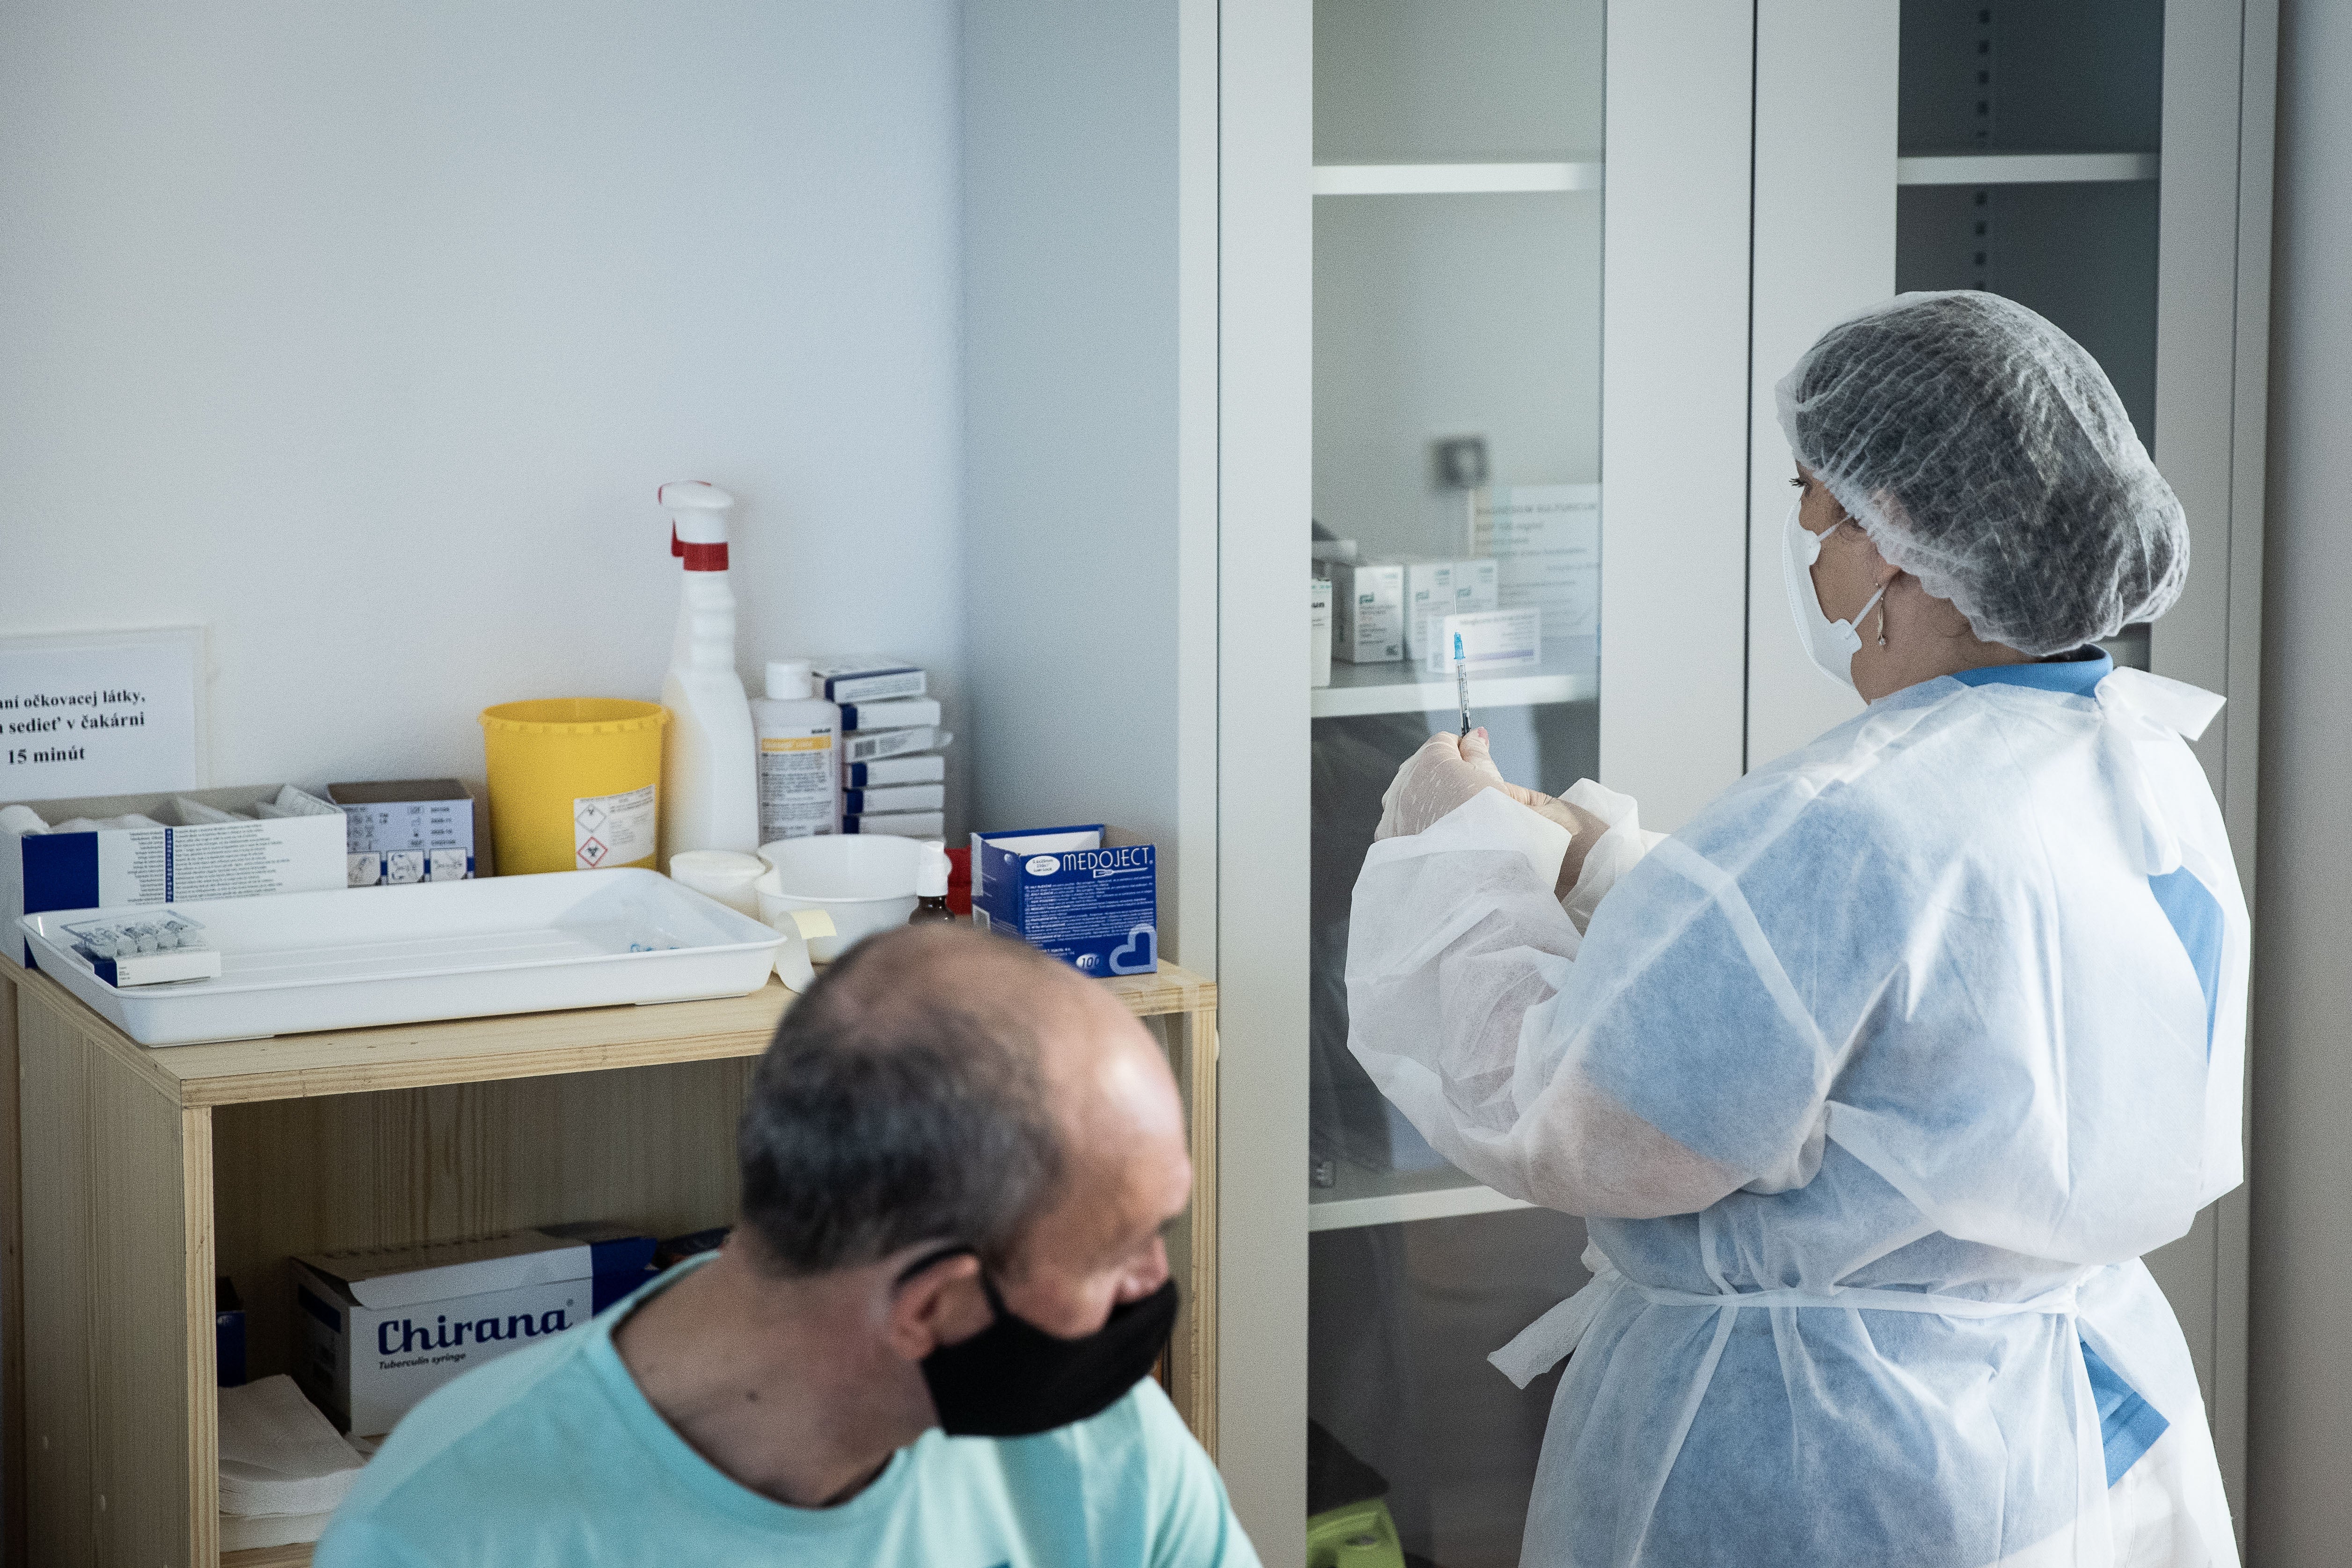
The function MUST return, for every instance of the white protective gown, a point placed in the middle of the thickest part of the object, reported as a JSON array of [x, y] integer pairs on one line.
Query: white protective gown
[[1874, 1083]]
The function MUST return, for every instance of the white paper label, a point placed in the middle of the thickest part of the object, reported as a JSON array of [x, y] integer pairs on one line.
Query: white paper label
[[131, 866], [1546, 541], [1491, 640], [796, 775], [613, 829], [99, 714]]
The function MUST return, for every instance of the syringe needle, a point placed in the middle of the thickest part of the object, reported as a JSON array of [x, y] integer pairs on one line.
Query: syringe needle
[[1462, 682]]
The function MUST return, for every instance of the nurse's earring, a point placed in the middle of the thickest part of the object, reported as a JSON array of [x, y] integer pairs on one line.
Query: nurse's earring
[[1882, 623]]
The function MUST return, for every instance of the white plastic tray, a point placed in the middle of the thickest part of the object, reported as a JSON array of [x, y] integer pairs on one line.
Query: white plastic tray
[[358, 957]]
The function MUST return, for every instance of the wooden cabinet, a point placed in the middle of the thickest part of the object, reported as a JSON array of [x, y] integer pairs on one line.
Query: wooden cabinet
[[153, 1171]]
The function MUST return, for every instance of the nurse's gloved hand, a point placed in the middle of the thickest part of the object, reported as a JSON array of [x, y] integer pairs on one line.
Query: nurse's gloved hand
[[1584, 829], [1432, 782], [1449, 769]]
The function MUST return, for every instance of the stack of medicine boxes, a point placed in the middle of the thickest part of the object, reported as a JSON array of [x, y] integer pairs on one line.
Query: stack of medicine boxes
[[893, 776], [1385, 610]]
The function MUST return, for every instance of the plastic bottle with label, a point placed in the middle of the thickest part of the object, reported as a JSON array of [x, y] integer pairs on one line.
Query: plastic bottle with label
[[709, 797], [800, 758]]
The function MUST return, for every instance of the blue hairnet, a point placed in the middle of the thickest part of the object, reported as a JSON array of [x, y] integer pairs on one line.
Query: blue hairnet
[[1986, 453]]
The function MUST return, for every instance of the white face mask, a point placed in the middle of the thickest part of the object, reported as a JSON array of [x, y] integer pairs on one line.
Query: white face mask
[[1832, 644]]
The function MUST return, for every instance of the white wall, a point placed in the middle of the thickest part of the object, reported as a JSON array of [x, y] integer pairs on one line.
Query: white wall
[[362, 333], [2299, 1508], [1090, 308]]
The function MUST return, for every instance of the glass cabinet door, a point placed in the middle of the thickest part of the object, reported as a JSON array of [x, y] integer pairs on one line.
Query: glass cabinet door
[[1457, 493], [2028, 143]]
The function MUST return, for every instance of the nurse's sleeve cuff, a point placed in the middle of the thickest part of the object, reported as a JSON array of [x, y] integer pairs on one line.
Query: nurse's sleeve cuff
[[1618, 850], [1488, 822]]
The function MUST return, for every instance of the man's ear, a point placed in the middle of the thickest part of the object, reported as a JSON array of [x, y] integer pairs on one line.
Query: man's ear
[[941, 1305]]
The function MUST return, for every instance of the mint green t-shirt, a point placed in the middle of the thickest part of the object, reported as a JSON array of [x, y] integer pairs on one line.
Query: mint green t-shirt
[[551, 1457]]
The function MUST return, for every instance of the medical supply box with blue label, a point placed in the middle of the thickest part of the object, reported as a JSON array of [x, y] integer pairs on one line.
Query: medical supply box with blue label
[[1092, 905], [162, 849], [385, 1326]]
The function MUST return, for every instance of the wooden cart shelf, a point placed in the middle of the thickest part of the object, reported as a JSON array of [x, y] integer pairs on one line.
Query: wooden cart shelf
[[139, 1174]]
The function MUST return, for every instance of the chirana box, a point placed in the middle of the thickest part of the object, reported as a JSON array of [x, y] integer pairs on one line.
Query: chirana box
[[167, 863], [1092, 905], [383, 1327]]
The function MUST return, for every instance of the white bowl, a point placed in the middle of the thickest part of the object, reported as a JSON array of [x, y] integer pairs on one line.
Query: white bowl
[[721, 874], [867, 882]]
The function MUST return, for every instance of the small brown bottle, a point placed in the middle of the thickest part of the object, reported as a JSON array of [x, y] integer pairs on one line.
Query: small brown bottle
[[931, 886]]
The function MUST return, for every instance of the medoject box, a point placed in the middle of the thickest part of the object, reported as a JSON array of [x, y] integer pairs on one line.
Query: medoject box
[[385, 1326], [1092, 905]]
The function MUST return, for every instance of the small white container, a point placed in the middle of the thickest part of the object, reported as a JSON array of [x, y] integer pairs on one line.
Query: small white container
[[721, 874], [867, 884]]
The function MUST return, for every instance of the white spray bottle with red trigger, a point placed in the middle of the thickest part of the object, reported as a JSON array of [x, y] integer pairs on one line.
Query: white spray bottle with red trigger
[[709, 787]]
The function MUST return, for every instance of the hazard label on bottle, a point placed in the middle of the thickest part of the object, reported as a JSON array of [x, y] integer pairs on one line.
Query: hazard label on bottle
[[613, 829]]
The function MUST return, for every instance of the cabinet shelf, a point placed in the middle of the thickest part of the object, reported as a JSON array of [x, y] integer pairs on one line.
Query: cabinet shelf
[[1392, 1198], [1356, 690], [1453, 179], [2026, 169]]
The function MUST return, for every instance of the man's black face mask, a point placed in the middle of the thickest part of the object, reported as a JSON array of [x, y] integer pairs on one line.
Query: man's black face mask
[[1012, 1379]]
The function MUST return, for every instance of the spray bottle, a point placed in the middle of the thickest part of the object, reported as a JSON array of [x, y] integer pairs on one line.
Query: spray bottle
[[710, 798]]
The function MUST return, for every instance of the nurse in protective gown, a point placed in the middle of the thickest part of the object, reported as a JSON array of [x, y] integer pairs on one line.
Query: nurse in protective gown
[[1875, 1080]]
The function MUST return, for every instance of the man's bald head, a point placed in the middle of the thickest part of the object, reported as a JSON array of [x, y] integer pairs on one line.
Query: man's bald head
[[925, 1089]]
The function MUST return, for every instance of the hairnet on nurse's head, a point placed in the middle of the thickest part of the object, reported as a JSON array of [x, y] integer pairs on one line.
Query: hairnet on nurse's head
[[1986, 453]]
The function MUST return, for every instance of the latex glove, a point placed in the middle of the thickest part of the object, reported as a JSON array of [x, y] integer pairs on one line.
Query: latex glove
[[1449, 769], [1432, 783]]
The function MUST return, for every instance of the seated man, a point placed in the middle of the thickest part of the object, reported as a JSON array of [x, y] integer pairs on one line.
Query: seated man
[[957, 1159]]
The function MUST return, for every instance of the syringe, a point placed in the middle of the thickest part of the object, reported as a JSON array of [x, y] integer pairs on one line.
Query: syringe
[[1462, 682]]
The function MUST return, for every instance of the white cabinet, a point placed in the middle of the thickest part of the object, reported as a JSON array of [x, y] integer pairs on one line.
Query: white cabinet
[[2106, 162], [1236, 269]]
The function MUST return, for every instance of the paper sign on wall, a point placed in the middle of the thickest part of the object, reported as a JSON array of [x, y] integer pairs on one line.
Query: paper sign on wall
[[1546, 541], [102, 714]]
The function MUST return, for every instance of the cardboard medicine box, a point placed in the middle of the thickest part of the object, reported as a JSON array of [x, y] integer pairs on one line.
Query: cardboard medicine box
[[111, 868], [408, 830], [928, 768], [1492, 640], [866, 677], [382, 1327], [1319, 632], [894, 798], [1367, 611], [1435, 588], [1094, 906], [898, 824]]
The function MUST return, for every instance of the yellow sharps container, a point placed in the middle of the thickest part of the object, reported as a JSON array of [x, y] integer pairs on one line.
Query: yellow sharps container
[[572, 781]]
